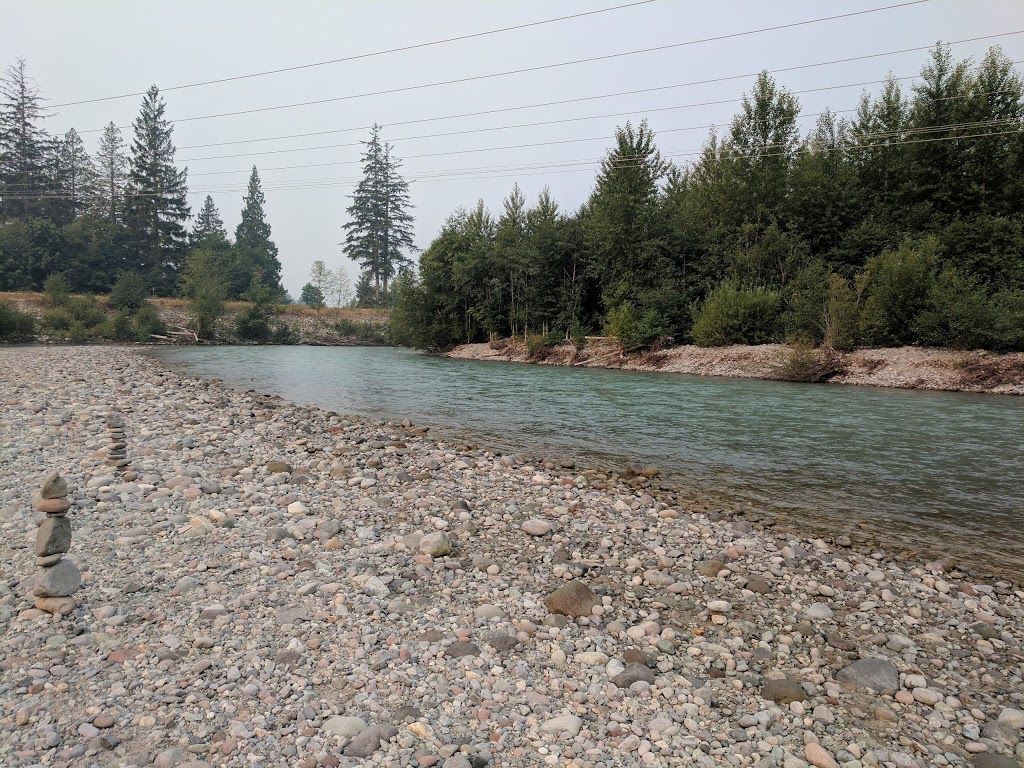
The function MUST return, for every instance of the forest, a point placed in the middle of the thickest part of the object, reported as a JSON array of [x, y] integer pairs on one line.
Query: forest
[[899, 224]]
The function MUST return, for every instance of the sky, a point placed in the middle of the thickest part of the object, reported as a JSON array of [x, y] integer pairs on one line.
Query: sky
[[79, 51]]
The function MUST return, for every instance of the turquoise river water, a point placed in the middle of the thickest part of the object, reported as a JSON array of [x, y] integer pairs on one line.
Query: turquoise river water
[[938, 472]]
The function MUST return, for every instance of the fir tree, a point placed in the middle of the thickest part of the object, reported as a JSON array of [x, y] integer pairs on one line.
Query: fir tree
[[76, 176], [253, 246], [209, 227], [380, 225], [156, 206], [25, 148], [112, 172]]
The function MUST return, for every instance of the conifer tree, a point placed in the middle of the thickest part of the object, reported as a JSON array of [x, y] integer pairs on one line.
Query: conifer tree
[[112, 172], [254, 250], [156, 206], [380, 225], [25, 148], [76, 176], [209, 226]]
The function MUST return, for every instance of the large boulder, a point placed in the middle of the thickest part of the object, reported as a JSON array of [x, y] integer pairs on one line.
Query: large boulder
[[60, 580], [877, 674], [574, 599]]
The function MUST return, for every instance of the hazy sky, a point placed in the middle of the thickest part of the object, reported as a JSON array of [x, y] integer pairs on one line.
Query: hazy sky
[[78, 50]]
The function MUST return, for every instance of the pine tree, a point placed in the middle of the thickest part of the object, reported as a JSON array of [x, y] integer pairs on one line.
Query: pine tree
[[380, 225], [112, 172], [156, 205], [76, 176], [25, 149], [253, 246]]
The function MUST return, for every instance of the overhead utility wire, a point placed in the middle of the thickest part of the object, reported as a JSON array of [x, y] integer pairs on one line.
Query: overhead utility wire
[[541, 67], [735, 155], [359, 56], [391, 124]]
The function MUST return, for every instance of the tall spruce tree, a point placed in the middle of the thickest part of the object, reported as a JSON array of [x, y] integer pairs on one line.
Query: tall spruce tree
[[156, 205], [254, 250], [112, 174], [380, 225], [76, 177], [26, 152], [209, 225]]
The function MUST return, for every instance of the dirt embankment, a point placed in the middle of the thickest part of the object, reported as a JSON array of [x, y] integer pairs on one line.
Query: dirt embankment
[[899, 367]]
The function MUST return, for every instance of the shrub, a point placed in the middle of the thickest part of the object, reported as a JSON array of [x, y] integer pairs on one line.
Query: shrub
[[253, 325], [16, 325], [56, 289], [129, 292], [636, 329], [148, 322], [806, 364], [733, 315], [842, 315], [85, 310], [368, 333], [57, 319], [808, 297], [959, 314], [1008, 307], [121, 327], [282, 333], [899, 284]]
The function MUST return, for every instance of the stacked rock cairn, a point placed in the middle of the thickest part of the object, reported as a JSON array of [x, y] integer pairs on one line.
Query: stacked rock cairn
[[57, 579], [117, 452]]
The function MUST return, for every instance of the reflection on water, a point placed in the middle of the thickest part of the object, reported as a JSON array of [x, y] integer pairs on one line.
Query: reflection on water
[[945, 469]]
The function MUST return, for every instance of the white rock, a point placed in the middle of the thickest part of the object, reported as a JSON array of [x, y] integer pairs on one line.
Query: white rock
[[537, 527], [565, 724]]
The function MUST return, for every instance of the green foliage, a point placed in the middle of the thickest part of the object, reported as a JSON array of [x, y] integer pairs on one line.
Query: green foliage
[[842, 315], [899, 284], [1008, 308], [804, 318], [312, 296], [253, 325], [148, 322], [86, 310], [806, 364], [121, 326], [204, 283], [56, 289], [16, 325], [129, 292], [374, 334], [734, 315], [636, 328], [57, 319]]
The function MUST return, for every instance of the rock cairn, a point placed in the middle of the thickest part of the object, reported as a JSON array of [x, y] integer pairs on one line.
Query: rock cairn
[[57, 579], [117, 452]]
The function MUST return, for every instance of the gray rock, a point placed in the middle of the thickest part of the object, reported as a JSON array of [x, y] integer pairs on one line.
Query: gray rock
[[710, 568], [436, 544], [993, 760], [60, 580], [458, 650], [53, 537], [570, 724], [54, 486], [344, 727], [784, 691], [634, 673], [573, 599], [877, 674], [369, 740]]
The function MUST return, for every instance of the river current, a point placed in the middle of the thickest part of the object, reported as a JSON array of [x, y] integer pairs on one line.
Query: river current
[[938, 472]]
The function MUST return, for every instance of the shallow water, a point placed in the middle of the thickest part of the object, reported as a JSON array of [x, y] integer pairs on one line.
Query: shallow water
[[939, 472]]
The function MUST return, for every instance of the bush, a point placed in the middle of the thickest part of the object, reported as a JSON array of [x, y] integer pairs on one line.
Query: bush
[[808, 297], [56, 289], [86, 311], [282, 333], [16, 325], [1008, 307], [129, 292], [252, 325], [636, 329], [959, 314], [148, 322], [733, 315], [367, 333], [806, 364], [121, 327], [842, 315], [899, 285], [57, 319]]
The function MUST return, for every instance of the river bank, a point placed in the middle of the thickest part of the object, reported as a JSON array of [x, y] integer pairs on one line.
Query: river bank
[[269, 584], [902, 367]]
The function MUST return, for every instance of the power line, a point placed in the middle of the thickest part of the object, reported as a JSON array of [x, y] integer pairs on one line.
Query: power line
[[589, 60], [367, 55], [737, 155]]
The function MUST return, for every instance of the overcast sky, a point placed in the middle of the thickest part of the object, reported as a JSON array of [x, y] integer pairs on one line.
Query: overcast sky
[[77, 51]]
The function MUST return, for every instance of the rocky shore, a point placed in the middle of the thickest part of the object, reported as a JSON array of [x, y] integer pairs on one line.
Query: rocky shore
[[272, 585], [899, 367]]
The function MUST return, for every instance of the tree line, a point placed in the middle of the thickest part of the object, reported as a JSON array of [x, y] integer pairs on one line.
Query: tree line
[[901, 224], [123, 210]]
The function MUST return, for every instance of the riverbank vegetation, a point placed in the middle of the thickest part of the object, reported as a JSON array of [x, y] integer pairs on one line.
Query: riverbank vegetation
[[900, 224]]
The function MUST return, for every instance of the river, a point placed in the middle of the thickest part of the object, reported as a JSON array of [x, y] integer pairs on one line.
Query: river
[[938, 472]]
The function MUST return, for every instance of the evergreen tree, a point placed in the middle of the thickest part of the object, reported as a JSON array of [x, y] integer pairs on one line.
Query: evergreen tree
[[208, 230], [25, 149], [156, 208], [76, 178], [254, 250], [380, 225], [112, 174]]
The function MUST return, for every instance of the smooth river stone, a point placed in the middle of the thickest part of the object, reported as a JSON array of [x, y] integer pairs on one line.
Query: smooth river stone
[[59, 606], [60, 580], [53, 537], [51, 506], [574, 599], [877, 674], [54, 486]]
